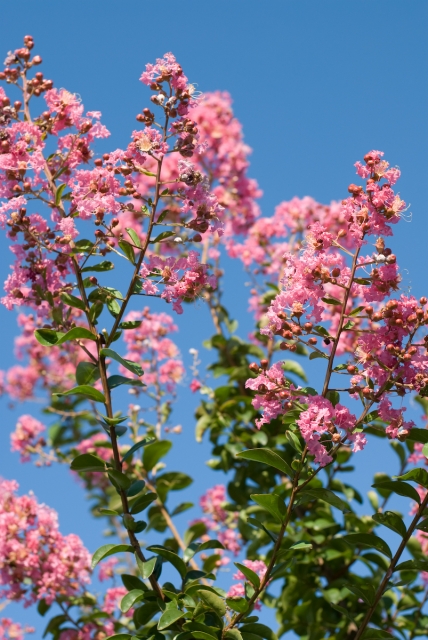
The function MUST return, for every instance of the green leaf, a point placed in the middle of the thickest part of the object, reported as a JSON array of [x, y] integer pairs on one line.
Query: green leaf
[[331, 301], [108, 512], [130, 599], [299, 546], [368, 540], [83, 246], [51, 338], [117, 381], [272, 503], [162, 216], [163, 236], [146, 568], [84, 390], [417, 475], [121, 636], [413, 565], [127, 250], [260, 630], [418, 435], [377, 634], [86, 373], [169, 617], [130, 324], [392, 521], [316, 354], [88, 462], [294, 367], [154, 452], [213, 601], [141, 503], [135, 488], [109, 550], [356, 311], [134, 237], [423, 526], [233, 634], [105, 265], [128, 364], [120, 479], [367, 593], [326, 496], [72, 301], [171, 557], [240, 605], [59, 192], [399, 487], [113, 306], [249, 574], [142, 443], [269, 457]]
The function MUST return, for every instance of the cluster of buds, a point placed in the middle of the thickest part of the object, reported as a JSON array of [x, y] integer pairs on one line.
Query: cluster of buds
[[187, 129], [21, 59], [8, 112]]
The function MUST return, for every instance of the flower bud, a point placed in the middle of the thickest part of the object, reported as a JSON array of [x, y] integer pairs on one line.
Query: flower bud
[[254, 367]]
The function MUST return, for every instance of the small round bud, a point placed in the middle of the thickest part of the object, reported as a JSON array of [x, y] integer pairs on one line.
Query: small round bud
[[254, 367], [197, 237], [423, 301], [391, 259], [37, 60], [312, 341], [264, 363], [336, 272]]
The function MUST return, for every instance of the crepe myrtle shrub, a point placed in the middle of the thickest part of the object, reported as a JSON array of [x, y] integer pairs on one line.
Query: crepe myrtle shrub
[[167, 208]]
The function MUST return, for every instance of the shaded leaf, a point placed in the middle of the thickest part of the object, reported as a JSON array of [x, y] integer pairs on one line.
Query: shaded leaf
[[272, 503], [128, 364], [154, 452], [368, 540], [109, 550], [88, 462], [51, 338], [130, 599], [269, 457], [84, 390], [171, 557]]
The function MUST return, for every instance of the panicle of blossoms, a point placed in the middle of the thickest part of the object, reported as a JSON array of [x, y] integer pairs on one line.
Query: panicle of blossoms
[[224, 157], [219, 521], [10, 630], [26, 437], [150, 345], [238, 590], [183, 279], [36, 561], [318, 286], [270, 240]]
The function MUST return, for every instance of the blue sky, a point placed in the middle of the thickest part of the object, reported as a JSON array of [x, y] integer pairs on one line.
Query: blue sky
[[315, 84]]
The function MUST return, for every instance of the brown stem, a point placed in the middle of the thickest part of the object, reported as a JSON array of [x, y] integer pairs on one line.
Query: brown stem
[[101, 360], [390, 570], [340, 327]]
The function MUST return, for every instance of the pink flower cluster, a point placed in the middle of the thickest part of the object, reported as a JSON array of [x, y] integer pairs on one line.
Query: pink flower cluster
[[25, 438], [321, 417], [10, 630], [219, 520], [150, 346], [183, 279], [36, 560], [238, 590], [317, 286]]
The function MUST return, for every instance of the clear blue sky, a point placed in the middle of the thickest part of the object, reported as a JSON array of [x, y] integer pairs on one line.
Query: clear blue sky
[[316, 85]]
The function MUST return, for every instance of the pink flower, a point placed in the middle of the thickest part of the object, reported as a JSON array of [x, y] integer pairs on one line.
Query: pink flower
[[13, 630], [106, 569], [36, 560], [195, 385], [25, 437], [212, 503]]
